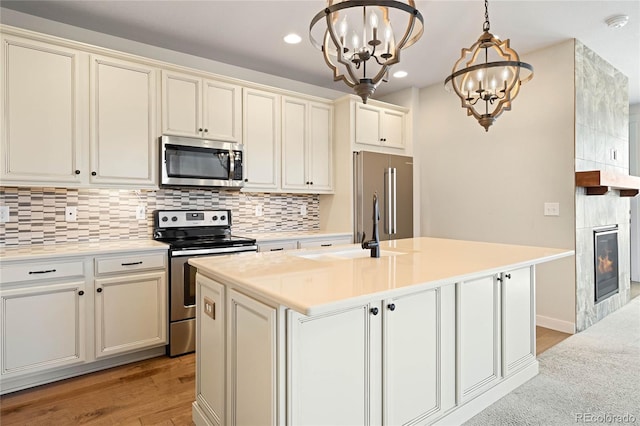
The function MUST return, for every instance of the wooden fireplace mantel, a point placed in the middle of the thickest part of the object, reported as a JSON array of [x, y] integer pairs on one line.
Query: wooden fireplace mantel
[[599, 182]]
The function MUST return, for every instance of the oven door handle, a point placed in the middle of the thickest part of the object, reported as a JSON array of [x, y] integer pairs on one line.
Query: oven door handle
[[220, 250]]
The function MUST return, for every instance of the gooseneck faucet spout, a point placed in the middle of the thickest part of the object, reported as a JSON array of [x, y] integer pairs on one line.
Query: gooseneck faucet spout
[[373, 245]]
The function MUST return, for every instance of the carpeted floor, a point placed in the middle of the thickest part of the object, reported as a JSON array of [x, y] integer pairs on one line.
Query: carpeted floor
[[591, 377]]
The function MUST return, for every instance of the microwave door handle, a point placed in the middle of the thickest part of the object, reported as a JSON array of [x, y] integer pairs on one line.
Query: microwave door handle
[[232, 164]]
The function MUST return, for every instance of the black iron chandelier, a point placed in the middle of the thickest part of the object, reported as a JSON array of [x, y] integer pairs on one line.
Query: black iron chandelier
[[359, 42], [488, 76]]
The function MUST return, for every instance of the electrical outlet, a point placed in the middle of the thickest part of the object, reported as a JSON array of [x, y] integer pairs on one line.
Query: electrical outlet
[[552, 209], [303, 210], [141, 212], [259, 210], [4, 214], [70, 213]]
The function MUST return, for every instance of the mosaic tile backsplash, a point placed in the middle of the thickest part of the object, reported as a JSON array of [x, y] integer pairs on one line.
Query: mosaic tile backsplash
[[37, 215]]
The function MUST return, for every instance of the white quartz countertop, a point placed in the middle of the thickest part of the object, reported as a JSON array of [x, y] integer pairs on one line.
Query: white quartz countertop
[[77, 249], [263, 237], [317, 281]]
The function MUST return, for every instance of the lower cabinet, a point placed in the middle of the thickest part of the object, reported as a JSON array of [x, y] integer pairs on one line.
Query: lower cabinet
[[43, 327], [398, 351], [518, 314]]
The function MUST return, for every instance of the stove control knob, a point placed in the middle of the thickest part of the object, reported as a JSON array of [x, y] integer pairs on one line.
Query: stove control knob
[[164, 218], [214, 218], [157, 234], [223, 218], [174, 219]]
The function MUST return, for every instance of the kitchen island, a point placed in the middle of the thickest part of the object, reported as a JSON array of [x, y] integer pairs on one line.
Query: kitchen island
[[433, 331]]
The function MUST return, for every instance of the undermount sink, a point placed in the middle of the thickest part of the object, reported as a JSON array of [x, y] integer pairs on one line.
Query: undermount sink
[[355, 253]]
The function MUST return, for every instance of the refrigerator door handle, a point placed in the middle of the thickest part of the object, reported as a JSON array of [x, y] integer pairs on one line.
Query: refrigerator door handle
[[395, 205], [387, 197]]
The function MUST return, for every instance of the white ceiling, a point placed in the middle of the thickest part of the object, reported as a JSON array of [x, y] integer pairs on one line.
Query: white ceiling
[[249, 33]]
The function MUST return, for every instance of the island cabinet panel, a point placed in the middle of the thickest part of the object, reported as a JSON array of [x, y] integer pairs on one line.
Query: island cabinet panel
[[418, 339], [518, 320], [251, 351], [478, 334], [43, 327], [210, 349], [333, 365]]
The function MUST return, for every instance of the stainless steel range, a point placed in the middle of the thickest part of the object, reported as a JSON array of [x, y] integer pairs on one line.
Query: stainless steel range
[[192, 233]]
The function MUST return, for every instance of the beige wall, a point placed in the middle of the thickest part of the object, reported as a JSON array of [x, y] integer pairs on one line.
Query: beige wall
[[492, 186]]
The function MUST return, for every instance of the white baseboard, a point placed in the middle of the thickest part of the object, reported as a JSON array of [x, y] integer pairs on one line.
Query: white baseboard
[[556, 324]]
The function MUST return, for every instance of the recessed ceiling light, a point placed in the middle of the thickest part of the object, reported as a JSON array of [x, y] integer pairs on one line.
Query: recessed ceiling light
[[400, 74], [292, 38], [617, 21]]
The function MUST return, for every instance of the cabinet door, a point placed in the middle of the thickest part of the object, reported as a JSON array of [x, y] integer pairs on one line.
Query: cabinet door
[[130, 313], [333, 368], [320, 147], [412, 361], [210, 348], [393, 128], [123, 122], [368, 124], [261, 122], [42, 327], [181, 104], [41, 113], [478, 333], [295, 173], [518, 319], [251, 375], [222, 111]]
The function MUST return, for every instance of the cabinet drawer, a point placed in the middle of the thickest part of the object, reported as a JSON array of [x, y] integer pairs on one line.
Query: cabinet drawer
[[27, 272], [279, 246], [133, 262], [324, 243]]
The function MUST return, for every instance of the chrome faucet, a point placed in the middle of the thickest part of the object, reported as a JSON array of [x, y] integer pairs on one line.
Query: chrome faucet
[[373, 245]]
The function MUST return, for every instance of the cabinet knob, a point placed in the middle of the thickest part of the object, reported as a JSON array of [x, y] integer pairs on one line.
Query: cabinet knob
[[99, 290], [200, 129], [206, 130], [391, 306], [307, 182], [77, 172], [374, 311], [311, 183], [246, 180], [93, 173], [80, 293], [508, 276], [499, 278]]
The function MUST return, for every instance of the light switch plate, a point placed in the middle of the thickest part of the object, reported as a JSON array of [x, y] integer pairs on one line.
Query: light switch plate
[[70, 213], [552, 209], [141, 212], [303, 210], [259, 210], [4, 214]]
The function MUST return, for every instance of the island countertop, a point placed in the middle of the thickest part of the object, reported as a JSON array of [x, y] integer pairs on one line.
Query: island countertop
[[317, 281]]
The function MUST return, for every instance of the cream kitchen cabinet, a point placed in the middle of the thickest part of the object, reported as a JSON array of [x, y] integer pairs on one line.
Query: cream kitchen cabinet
[[43, 113], [123, 123], [201, 107], [130, 303], [379, 126], [403, 343], [307, 139], [278, 245], [324, 242], [76, 119], [518, 314], [261, 136], [42, 317]]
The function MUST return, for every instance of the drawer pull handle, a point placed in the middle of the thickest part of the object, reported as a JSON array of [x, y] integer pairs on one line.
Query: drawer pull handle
[[42, 272], [326, 245], [277, 249], [132, 263]]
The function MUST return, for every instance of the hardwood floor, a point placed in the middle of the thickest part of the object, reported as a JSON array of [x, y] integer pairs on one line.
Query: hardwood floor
[[153, 392]]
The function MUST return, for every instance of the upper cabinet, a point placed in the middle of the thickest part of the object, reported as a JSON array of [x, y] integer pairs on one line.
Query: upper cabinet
[[200, 107], [123, 122], [379, 126], [71, 118], [41, 113], [307, 139], [261, 118]]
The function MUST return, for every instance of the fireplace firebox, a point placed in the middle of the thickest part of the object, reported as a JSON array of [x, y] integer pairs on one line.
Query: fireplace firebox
[[606, 262]]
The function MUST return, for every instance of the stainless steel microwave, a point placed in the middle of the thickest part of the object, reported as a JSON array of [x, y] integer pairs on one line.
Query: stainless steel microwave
[[200, 163]]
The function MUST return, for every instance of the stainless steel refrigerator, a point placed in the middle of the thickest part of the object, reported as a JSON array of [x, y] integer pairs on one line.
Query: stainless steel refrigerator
[[391, 176]]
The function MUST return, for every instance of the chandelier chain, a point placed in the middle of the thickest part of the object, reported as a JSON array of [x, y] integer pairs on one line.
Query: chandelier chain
[[486, 26]]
